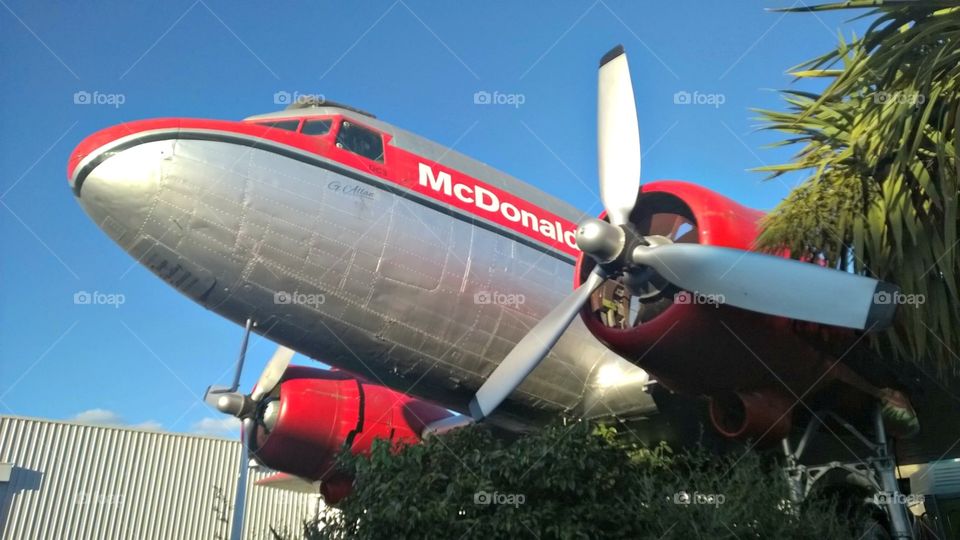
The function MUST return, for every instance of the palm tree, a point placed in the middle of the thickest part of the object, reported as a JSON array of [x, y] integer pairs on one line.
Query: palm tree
[[880, 143]]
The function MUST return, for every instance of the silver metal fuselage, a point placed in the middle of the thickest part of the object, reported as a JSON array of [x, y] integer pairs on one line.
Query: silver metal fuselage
[[365, 276]]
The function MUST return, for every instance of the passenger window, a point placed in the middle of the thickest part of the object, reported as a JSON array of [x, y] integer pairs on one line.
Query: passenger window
[[361, 141], [287, 125], [316, 127]]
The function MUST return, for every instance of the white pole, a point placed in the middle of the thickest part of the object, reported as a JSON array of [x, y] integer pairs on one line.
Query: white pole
[[240, 498]]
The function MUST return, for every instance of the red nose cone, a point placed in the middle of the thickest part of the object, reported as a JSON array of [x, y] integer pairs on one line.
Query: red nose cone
[[91, 143], [104, 137]]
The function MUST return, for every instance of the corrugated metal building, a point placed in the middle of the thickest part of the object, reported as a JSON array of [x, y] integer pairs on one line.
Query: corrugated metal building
[[77, 481]]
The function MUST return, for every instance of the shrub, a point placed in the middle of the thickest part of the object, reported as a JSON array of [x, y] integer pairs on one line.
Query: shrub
[[572, 481]]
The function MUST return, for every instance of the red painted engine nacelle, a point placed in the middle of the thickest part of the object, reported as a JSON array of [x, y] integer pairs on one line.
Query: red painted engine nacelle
[[750, 365], [314, 413]]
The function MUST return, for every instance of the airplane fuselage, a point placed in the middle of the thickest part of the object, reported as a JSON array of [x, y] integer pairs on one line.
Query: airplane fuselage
[[419, 268]]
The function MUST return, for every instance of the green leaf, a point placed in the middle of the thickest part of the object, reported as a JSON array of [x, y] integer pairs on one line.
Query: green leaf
[[880, 142]]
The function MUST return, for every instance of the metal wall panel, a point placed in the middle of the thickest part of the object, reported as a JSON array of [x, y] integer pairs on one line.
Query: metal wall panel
[[77, 481], [269, 508]]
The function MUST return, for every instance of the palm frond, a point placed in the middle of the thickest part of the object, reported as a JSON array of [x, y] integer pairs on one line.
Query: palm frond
[[881, 144]]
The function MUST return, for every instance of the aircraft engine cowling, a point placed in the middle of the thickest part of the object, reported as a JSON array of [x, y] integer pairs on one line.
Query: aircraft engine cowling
[[304, 423], [762, 416], [693, 343]]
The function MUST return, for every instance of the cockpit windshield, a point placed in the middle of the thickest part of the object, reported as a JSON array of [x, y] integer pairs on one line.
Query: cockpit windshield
[[352, 137], [317, 126], [287, 125], [360, 140]]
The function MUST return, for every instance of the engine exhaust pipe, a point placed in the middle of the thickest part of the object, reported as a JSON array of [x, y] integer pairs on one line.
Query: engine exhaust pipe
[[761, 415]]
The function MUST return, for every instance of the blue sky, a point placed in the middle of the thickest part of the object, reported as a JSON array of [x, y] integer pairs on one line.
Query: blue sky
[[417, 65]]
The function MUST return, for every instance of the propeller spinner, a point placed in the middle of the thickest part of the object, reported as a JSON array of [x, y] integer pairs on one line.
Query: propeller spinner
[[246, 407]]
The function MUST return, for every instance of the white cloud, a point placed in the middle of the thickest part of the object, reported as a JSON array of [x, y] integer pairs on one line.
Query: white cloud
[[151, 425], [104, 417], [223, 426], [99, 416]]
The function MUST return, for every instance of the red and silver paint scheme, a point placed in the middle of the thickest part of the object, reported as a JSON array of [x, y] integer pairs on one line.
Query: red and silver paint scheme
[[419, 270], [432, 282]]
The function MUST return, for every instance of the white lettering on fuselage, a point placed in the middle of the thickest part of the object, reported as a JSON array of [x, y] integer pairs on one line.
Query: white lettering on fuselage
[[488, 201]]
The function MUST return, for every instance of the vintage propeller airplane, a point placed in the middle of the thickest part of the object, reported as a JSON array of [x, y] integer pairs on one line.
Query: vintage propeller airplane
[[435, 283]]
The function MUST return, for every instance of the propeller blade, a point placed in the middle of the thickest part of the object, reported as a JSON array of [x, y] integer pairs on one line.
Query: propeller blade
[[531, 350], [773, 285], [618, 137], [247, 427], [272, 372]]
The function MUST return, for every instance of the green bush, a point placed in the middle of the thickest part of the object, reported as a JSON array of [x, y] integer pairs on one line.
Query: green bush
[[567, 482]]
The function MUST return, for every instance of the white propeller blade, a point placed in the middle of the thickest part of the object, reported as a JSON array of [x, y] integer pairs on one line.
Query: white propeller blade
[[773, 285], [618, 145], [272, 372], [618, 137], [247, 428], [528, 353]]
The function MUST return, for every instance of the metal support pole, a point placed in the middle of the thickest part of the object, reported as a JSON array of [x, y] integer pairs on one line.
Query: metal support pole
[[895, 501], [794, 473], [240, 497]]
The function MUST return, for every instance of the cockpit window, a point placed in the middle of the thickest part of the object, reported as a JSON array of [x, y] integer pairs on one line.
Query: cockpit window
[[361, 141], [287, 125], [317, 127]]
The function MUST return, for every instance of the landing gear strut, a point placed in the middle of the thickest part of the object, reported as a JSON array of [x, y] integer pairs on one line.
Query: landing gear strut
[[876, 470]]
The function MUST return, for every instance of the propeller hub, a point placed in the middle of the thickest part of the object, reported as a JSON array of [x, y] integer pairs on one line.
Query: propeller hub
[[234, 403], [600, 240], [270, 414]]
